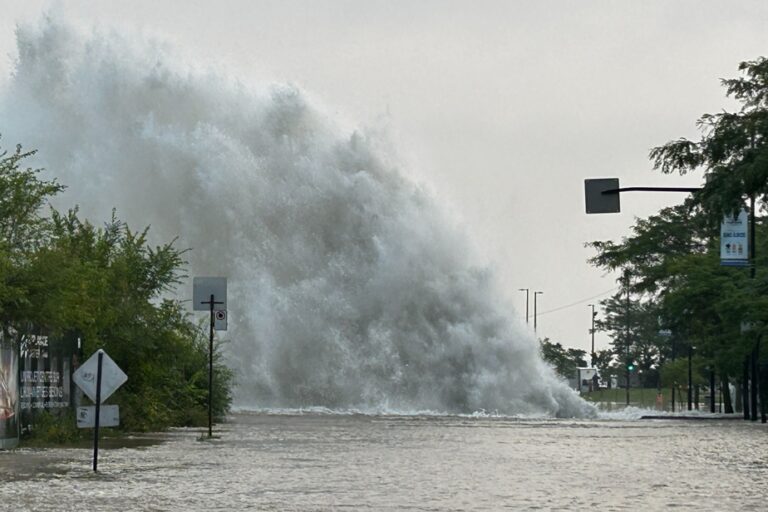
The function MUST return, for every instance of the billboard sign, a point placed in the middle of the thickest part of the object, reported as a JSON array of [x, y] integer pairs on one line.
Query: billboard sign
[[9, 396]]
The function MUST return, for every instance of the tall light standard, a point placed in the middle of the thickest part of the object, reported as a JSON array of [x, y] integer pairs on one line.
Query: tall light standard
[[526, 290], [592, 332], [535, 295]]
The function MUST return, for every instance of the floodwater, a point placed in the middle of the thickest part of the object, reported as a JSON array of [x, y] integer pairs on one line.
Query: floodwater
[[314, 461]]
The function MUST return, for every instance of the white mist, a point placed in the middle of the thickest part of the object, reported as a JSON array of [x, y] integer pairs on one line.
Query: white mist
[[348, 287]]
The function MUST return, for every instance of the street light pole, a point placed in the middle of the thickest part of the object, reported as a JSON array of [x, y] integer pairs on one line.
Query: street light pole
[[535, 295], [526, 290]]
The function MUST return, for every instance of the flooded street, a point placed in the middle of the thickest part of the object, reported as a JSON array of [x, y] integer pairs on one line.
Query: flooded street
[[353, 462]]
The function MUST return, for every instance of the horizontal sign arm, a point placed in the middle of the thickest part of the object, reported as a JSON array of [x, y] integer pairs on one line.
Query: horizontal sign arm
[[651, 189]]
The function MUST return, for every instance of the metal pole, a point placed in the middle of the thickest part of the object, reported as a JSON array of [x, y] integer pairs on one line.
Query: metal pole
[[210, 374], [98, 413], [592, 332], [526, 290], [674, 383], [745, 389], [753, 390], [750, 400], [712, 390], [752, 237], [535, 313], [628, 341], [690, 377]]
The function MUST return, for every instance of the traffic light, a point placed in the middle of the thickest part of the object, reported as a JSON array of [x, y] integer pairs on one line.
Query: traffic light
[[630, 366]]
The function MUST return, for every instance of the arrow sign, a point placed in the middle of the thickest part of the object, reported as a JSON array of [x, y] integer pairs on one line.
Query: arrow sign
[[112, 377]]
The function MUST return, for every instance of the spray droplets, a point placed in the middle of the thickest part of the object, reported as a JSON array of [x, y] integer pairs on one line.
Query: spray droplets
[[348, 287]]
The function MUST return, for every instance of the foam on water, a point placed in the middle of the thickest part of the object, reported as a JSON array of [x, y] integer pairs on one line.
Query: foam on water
[[348, 286]]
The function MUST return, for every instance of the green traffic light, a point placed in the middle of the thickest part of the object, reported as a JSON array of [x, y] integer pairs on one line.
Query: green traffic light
[[630, 367]]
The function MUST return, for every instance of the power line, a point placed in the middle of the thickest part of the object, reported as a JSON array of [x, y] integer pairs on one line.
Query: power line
[[579, 301]]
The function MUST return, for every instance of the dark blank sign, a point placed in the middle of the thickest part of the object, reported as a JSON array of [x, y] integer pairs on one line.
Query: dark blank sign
[[204, 287], [596, 201]]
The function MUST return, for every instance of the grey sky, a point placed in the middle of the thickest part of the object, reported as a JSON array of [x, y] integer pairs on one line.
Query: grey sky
[[500, 108]]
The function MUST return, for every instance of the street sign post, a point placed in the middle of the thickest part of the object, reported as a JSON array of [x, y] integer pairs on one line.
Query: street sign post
[[210, 294], [99, 377]]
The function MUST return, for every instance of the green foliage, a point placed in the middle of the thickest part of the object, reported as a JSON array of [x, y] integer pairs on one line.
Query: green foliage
[[675, 373], [733, 149], [61, 274], [563, 360], [52, 428], [675, 280]]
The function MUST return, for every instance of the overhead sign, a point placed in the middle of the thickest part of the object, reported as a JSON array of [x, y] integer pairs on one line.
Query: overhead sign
[[598, 202], [112, 377], [109, 416], [734, 246], [203, 288]]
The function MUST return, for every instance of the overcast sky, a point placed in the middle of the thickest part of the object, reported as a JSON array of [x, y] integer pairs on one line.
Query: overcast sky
[[500, 108]]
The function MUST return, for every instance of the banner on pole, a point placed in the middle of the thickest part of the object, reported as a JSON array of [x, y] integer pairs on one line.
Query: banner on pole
[[734, 242]]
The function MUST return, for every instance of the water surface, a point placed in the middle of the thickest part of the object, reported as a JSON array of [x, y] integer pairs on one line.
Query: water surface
[[355, 462]]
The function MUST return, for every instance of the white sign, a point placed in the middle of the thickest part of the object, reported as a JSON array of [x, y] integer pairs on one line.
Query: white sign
[[109, 416], [734, 249], [112, 377], [203, 288], [220, 320]]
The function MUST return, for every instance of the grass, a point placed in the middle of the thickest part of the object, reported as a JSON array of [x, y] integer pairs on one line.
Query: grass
[[645, 398]]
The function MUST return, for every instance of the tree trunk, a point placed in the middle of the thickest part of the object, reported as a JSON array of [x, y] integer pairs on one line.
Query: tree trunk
[[727, 404]]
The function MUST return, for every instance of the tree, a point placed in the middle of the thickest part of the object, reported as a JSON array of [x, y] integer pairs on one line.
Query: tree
[[673, 256], [563, 360], [604, 361], [733, 150], [59, 274]]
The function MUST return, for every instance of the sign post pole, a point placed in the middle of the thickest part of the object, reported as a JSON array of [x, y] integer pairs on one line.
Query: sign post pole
[[98, 411], [98, 377], [210, 373], [211, 302], [205, 292]]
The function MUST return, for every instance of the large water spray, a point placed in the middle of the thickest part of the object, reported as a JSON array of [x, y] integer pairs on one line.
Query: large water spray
[[348, 287]]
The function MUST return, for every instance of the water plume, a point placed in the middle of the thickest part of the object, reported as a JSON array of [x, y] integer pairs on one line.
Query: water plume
[[349, 288]]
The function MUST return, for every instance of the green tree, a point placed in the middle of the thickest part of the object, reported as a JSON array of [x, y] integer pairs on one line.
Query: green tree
[[733, 149], [60, 274], [604, 361], [673, 256], [563, 360]]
